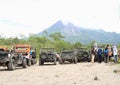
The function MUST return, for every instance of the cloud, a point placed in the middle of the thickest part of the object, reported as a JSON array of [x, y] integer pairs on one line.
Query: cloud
[[26, 16]]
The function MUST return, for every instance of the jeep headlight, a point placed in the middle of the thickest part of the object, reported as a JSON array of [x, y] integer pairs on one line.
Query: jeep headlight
[[9, 55]]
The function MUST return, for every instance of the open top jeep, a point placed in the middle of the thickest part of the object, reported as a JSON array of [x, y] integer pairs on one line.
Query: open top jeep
[[11, 59], [26, 51], [68, 56], [47, 55]]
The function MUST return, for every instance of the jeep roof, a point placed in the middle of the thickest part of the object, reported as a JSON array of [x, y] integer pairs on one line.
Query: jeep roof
[[22, 48]]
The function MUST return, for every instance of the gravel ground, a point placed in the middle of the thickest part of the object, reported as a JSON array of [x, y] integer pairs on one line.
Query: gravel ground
[[68, 74]]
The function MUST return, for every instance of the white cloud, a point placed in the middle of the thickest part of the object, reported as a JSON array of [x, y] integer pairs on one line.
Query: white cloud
[[26, 16]]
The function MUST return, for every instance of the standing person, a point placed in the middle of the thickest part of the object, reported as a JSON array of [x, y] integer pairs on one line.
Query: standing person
[[106, 54], [27, 53], [95, 46], [92, 54], [99, 54], [115, 53], [109, 52]]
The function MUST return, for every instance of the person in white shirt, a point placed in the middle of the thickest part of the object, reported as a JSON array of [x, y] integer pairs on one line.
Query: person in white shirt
[[115, 51]]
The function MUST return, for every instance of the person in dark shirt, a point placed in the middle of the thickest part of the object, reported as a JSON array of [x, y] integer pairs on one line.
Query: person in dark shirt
[[99, 54], [106, 54]]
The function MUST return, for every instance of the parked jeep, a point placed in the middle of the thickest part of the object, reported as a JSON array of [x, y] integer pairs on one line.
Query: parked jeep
[[11, 60], [83, 54], [26, 51], [68, 56], [47, 55]]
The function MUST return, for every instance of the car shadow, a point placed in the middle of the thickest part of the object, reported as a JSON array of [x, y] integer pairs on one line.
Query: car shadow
[[17, 68], [48, 64]]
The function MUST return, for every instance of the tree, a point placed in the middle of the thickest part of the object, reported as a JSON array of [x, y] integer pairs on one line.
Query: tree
[[16, 40], [62, 45], [56, 36], [77, 45]]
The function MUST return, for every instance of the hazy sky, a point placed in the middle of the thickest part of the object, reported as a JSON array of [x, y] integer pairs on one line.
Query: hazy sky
[[32, 16]]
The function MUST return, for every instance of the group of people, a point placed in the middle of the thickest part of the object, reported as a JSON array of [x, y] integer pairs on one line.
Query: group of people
[[104, 54]]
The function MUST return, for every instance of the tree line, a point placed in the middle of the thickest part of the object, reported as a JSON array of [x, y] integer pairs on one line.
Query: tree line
[[55, 40]]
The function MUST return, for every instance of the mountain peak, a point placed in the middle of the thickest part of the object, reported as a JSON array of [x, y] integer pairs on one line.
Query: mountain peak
[[59, 23]]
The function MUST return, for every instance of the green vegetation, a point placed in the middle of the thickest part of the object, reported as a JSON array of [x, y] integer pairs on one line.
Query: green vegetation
[[56, 40]]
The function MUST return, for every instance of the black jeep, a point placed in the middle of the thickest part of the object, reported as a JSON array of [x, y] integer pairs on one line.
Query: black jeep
[[69, 56], [47, 55], [11, 60], [83, 54]]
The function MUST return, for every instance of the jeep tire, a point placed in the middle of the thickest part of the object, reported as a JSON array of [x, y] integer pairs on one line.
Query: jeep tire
[[60, 60], [24, 63], [55, 59], [75, 60], [11, 65]]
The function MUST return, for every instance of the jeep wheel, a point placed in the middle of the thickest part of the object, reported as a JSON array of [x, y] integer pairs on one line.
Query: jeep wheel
[[75, 60], [60, 60], [28, 62], [41, 62], [63, 61], [11, 65], [55, 59], [24, 63], [32, 62]]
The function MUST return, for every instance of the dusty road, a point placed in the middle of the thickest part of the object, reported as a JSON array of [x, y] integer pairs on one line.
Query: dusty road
[[68, 74]]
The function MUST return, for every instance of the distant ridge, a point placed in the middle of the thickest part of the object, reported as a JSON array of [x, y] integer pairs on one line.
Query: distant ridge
[[74, 34]]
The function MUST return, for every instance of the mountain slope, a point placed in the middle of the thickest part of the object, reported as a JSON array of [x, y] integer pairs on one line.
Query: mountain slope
[[74, 34]]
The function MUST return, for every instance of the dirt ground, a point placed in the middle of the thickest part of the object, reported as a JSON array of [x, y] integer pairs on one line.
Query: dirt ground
[[67, 74]]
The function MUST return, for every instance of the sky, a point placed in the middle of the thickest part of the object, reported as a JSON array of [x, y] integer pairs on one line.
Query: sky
[[33, 16]]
